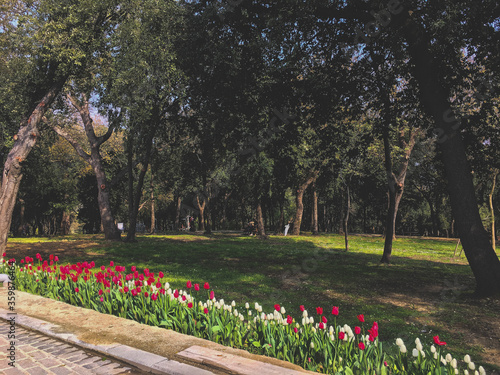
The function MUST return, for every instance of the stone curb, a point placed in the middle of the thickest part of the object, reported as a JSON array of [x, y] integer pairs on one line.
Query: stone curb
[[141, 359]]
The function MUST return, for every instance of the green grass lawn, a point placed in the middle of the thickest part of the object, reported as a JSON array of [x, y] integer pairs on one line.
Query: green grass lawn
[[424, 292]]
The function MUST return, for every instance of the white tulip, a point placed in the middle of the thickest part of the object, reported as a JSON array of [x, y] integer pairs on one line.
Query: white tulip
[[453, 363]]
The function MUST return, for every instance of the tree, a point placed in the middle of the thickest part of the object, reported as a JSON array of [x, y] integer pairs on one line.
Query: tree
[[145, 83], [475, 240], [72, 36], [94, 159]]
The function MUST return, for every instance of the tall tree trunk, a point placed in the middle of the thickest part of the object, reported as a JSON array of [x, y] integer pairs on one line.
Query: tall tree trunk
[[260, 220], [224, 210], [109, 227], [65, 223], [492, 210], [178, 213], [346, 218], [395, 185], [22, 211], [299, 202], [314, 226], [201, 209], [152, 197], [138, 194], [475, 239], [25, 139], [135, 196], [208, 217]]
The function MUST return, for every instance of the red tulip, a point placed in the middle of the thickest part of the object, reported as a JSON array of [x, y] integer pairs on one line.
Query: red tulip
[[335, 310], [190, 305], [277, 307], [133, 268], [205, 310], [77, 290], [206, 286], [295, 329], [196, 287], [176, 293], [357, 330], [154, 297], [103, 268], [111, 263], [212, 295], [361, 346], [51, 257], [101, 299], [188, 284], [321, 325], [341, 335], [438, 342], [302, 308], [324, 320], [361, 318], [289, 319], [319, 310], [160, 275], [125, 289]]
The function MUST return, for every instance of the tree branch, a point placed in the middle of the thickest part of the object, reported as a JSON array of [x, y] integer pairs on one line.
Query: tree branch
[[78, 148]]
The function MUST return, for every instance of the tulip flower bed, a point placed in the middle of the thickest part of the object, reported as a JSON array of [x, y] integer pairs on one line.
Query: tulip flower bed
[[316, 341]]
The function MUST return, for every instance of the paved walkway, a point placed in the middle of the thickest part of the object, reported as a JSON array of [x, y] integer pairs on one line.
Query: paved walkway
[[36, 354]]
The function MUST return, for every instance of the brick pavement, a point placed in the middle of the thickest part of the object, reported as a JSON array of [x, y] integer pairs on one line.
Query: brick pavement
[[36, 354]]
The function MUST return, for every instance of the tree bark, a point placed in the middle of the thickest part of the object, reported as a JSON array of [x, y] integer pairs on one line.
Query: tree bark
[[395, 185], [201, 210], [12, 172], [22, 211], [474, 238], [346, 219], [224, 210], [138, 193], [492, 210], [178, 213], [299, 202], [314, 226], [111, 232], [260, 220], [152, 197], [65, 223]]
